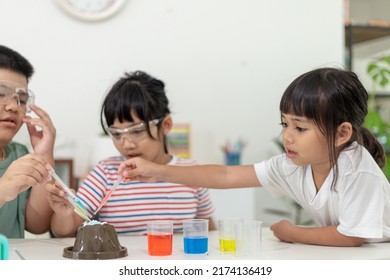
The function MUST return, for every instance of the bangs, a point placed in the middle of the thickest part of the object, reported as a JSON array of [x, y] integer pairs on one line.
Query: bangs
[[302, 101], [125, 101], [305, 98]]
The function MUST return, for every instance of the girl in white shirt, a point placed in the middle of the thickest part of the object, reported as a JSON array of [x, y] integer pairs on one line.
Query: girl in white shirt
[[331, 165]]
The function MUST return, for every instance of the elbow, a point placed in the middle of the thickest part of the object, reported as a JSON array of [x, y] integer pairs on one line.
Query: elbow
[[38, 229], [355, 242], [358, 242]]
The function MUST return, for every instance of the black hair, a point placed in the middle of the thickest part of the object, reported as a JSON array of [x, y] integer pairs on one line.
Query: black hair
[[138, 93], [12, 60], [329, 97]]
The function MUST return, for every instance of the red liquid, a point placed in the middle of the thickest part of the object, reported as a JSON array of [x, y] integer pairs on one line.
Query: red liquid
[[159, 245]]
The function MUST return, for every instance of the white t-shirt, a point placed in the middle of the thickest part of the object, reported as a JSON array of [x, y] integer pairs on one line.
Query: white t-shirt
[[359, 202]]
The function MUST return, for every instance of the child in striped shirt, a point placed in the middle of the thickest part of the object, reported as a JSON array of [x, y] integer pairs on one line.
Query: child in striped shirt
[[136, 115]]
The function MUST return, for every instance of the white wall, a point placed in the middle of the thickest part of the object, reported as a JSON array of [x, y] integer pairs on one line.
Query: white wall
[[225, 64]]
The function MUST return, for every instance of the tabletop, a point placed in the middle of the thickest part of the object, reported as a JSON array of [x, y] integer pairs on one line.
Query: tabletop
[[271, 249]]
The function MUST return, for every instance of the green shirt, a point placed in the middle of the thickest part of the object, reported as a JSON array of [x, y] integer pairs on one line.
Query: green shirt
[[12, 218]]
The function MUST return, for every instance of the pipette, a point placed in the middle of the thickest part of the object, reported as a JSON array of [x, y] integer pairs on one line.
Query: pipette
[[78, 206], [104, 201]]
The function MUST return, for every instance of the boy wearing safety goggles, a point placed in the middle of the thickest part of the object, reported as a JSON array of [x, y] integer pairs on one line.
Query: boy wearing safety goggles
[[23, 175]]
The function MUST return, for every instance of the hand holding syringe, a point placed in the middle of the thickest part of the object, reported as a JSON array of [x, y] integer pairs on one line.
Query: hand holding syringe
[[78, 206]]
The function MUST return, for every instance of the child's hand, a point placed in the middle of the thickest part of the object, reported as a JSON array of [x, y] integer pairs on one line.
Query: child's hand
[[138, 169], [57, 201], [42, 140], [27, 171], [282, 230]]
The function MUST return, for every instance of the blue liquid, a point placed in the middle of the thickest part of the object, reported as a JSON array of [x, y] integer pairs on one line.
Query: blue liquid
[[195, 245]]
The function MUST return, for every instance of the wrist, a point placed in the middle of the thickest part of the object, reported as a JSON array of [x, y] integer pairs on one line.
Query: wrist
[[49, 158], [161, 174]]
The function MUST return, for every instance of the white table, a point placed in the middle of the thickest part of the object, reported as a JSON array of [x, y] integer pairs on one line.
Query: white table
[[272, 249]]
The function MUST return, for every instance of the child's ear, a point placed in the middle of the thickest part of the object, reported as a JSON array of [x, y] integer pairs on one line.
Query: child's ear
[[344, 133], [166, 124]]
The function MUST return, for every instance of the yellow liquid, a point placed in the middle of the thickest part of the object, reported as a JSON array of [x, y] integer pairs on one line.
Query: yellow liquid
[[227, 245], [80, 211]]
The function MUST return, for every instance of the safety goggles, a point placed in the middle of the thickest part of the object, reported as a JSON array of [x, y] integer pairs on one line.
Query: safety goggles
[[134, 133], [23, 96]]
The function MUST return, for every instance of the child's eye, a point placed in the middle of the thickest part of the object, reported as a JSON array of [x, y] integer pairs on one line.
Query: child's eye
[[116, 134], [138, 132], [23, 98], [300, 129], [283, 124]]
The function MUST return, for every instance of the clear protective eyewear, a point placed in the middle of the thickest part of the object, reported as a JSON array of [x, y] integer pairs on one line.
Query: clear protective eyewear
[[134, 133], [24, 97]]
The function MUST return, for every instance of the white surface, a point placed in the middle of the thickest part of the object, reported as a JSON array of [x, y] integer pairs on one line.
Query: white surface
[[29, 235], [272, 249]]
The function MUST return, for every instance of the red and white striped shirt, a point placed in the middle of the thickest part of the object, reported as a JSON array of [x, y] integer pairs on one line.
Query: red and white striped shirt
[[132, 205]]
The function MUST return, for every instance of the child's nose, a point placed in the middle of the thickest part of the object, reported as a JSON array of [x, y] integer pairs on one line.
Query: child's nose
[[13, 101], [126, 140], [287, 137]]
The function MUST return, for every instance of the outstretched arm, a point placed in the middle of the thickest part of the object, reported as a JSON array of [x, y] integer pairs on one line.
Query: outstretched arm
[[207, 176], [326, 236]]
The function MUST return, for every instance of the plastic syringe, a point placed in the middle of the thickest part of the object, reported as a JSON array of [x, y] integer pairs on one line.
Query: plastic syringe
[[116, 184], [78, 206]]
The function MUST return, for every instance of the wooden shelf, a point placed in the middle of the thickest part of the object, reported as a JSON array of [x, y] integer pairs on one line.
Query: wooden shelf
[[359, 33], [363, 33], [382, 94]]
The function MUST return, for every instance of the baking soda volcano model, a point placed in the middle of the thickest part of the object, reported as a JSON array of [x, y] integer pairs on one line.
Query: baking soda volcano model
[[95, 240]]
